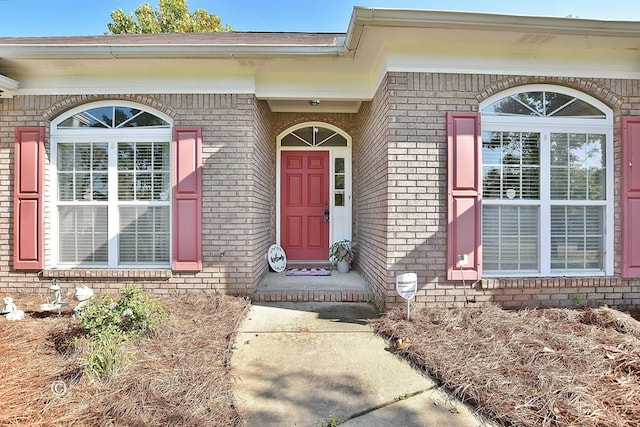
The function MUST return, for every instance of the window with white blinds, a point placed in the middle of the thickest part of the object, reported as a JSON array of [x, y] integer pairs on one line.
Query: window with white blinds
[[511, 238], [112, 174], [144, 234], [83, 234], [577, 237], [547, 184], [82, 195], [511, 174], [511, 165]]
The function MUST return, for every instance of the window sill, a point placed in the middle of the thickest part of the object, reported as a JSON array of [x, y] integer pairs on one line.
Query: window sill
[[549, 282], [105, 273]]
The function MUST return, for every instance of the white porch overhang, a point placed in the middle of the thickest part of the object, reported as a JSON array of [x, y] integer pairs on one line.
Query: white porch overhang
[[7, 86], [340, 70]]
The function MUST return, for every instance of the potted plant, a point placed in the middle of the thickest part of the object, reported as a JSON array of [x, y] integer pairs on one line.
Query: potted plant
[[342, 254]]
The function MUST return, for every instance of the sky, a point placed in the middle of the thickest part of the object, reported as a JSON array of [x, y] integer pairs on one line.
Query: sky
[[25, 18]]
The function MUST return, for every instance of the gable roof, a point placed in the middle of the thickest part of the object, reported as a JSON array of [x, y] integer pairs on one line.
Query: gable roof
[[290, 68]]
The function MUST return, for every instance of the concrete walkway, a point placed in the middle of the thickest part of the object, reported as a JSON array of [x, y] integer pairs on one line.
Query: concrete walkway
[[319, 364]]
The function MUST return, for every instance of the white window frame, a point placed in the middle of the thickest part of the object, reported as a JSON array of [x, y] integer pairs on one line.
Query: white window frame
[[545, 126], [112, 137]]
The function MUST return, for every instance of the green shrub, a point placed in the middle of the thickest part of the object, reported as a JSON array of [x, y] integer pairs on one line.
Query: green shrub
[[99, 317], [133, 315], [109, 323]]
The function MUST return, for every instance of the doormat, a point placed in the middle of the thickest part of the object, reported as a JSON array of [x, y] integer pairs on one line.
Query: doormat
[[308, 272]]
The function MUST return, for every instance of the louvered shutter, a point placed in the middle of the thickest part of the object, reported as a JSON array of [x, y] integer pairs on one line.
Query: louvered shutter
[[186, 161], [28, 198], [630, 138], [464, 226]]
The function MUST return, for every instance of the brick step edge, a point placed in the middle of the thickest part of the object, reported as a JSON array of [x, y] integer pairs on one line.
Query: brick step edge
[[313, 296]]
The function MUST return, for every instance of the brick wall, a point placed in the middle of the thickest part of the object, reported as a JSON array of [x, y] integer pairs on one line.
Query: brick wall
[[238, 174], [239, 147], [15, 112], [373, 208], [399, 147], [228, 139], [262, 192], [413, 191]]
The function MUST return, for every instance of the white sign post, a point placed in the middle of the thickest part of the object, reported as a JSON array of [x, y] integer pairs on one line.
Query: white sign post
[[406, 286]]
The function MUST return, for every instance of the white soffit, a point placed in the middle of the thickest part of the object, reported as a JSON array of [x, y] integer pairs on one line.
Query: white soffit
[[427, 40], [307, 106], [485, 43], [508, 53]]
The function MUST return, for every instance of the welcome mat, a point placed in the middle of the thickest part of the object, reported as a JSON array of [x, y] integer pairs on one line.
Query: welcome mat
[[308, 272]]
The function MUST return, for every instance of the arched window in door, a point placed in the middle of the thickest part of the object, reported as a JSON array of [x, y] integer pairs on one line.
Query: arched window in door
[[313, 136]]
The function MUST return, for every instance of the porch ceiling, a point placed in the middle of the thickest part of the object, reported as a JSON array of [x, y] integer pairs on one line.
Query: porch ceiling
[[312, 106]]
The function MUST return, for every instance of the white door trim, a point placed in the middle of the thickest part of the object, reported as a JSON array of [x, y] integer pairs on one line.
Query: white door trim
[[341, 217]]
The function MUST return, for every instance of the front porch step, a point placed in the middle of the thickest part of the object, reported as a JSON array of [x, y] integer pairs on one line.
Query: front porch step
[[278, 287], [313, 296]]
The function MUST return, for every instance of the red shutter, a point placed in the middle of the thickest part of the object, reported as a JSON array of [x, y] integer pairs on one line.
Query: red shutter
[[186, 161], [630, 242], [28, 197], [464, 236]]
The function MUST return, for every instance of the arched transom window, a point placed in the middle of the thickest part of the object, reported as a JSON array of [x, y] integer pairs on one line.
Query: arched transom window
[[111, 170], [547, 183], [113, 117], [313, 136], [543, 103]]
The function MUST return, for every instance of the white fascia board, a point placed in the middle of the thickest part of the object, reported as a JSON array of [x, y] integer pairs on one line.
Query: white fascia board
[[514, 69], [103, 86], [8, 87], [70, 51]]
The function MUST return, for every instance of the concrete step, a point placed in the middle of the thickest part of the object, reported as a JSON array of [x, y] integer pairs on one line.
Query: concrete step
[[278, 287], [354, 295]]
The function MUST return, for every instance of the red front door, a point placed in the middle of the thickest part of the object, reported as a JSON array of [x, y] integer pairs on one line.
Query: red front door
[[304, 200]]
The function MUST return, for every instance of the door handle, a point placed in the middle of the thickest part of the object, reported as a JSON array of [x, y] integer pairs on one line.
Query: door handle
[[326, 215]]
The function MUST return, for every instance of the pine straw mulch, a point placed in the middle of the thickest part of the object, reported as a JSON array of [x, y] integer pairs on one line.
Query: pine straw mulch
[[537, 367], [181, 376]]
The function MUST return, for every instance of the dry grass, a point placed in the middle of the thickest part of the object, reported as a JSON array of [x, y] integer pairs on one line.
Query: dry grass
[[547, 367], [178, 377]]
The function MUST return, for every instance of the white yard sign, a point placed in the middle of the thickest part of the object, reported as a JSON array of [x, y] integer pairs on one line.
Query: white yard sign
[[406, 287]]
